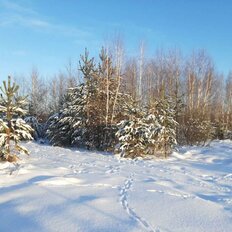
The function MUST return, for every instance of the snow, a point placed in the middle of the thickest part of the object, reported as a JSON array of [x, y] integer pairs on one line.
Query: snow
[[58, 189]]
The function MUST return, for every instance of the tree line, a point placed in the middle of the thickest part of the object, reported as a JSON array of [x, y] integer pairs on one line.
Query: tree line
[[134, 106], [193, 80]]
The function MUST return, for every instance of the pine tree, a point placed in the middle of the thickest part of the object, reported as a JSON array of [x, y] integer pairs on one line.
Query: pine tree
[[133, 136], [148, 131], [137, 135], [132, 132], [165, 114], [12, 127], [36, 126], [68, 126], [71, 126]]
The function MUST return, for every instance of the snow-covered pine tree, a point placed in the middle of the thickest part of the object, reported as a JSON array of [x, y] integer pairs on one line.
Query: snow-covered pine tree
[[67, 127], [164, 109], [12, 127], [76, 109], [132, 136], [50, 127], [132, 133], [59, 131], [73, 124], [36, 126], [137, 135], [148, 131]]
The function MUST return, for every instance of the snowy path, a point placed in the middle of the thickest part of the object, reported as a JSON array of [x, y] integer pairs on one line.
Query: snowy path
[[57, 189]]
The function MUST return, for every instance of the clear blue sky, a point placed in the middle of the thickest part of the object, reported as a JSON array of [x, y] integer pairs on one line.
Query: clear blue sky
[[47, 33]]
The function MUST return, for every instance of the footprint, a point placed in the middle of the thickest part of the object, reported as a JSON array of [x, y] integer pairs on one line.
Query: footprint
[[123, 199]]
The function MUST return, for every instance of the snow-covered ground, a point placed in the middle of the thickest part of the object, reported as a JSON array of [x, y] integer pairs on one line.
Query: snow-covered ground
[[57, 189]]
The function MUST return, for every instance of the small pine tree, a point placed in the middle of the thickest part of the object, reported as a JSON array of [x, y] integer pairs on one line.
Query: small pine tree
[[12, 127], [165, 114], [149, 131], [134, 133], [67, 127], [36, 126]]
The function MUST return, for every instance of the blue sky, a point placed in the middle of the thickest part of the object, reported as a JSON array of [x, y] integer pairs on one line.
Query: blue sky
[[48, 33]]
